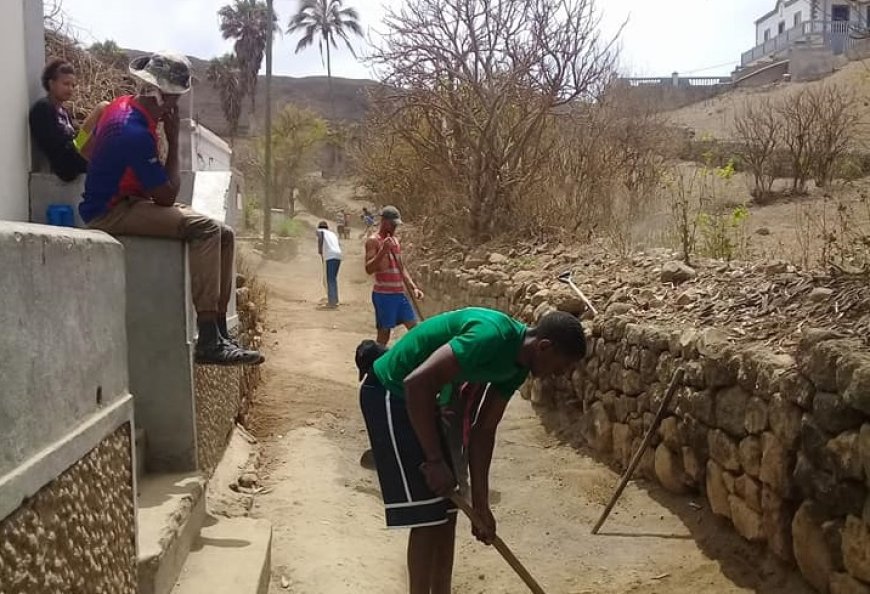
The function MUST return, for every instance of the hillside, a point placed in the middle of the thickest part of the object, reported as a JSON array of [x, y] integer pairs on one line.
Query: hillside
[[713, 117], [351, 101]]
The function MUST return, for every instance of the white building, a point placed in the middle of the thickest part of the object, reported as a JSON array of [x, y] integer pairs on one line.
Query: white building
[[826, 24]]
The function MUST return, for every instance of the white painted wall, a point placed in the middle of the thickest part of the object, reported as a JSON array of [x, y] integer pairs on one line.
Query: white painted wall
[[210, 152], [15, 102], [783, 14]]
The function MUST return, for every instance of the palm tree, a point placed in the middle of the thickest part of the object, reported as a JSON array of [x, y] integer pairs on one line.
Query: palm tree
[[247, 21], [225, 76], [326, 19]]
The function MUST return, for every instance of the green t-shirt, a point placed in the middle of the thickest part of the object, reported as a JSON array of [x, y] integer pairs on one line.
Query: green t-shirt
[[485, 342]]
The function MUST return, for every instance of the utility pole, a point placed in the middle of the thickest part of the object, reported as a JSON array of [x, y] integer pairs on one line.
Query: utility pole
[[267, 185]]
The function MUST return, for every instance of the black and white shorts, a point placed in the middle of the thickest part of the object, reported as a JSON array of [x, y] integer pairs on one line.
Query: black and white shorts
[[408, 501]]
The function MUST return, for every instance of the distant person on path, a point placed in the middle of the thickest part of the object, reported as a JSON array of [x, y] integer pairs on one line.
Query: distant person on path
[[368, 220], [399, 398], [52, 127], [330, 252], [383, 260], [128, 191]]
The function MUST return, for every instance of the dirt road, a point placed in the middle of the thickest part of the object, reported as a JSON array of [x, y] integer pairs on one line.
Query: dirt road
[[329, 535]]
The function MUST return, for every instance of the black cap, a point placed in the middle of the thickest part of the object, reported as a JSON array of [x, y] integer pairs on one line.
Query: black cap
[[391, 213]]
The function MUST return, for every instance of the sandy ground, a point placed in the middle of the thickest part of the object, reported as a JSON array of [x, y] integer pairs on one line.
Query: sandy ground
[[329, 535]]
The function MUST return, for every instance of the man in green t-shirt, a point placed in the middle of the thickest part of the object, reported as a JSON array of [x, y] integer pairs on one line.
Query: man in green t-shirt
[[400, 399]]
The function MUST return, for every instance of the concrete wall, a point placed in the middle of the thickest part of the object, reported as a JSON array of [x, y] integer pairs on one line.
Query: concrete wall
[[218, 402], [786, 11], [20, 68], [202, 150], [777, 442]]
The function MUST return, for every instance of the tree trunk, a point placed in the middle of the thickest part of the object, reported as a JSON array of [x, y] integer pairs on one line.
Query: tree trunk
[[267, 178], [331, 151]]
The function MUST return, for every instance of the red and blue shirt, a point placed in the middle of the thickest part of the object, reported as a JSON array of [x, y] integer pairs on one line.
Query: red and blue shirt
[[124, 158]]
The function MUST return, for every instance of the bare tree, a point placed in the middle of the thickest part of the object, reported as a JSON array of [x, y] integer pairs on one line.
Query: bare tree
[[757, 126], [798, 115], [836, 123], [484, 81]]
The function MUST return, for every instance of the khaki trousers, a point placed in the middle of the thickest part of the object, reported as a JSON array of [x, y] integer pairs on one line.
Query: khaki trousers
[[211, 244]]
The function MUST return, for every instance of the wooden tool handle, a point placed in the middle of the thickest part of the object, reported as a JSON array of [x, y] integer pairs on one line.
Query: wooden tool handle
[[500, 546]]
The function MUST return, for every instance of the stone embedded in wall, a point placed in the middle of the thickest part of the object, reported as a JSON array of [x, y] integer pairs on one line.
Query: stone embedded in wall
[[820, 361], [720, 368], [843, 583], [777, 514], [669, 470], [785, 420], [694, 467], [839, 497], [750, 455], [777, 463], [597, 429], [697, 404], [730, 410], [811, 549], [846, 457], [622, 440], [756, 416], [694, 376], [747, 521], [857, 395], [669, 431], [795, 388], [856, 548], [864, 448], [848, 364], [717, 492], [723, 450], [749, 490], [623, 407], [218, 399], [833, 414], [649, 361], [77, 533]]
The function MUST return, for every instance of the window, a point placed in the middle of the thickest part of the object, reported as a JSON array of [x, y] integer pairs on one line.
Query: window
[[781, 28], [798, 19], [767, 34], [840, 13]]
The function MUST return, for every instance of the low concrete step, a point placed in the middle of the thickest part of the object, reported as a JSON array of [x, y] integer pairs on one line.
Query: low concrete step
[[231, 556], [171, 512]]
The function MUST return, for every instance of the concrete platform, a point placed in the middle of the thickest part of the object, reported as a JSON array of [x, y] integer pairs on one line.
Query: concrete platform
[[171, 512], [231, 556]]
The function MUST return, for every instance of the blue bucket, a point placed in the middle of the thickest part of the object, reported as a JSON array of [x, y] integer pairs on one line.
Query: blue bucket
[[60, 215]]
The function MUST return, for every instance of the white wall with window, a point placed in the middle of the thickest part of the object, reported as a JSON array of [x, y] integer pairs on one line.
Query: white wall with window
[[784, 15]]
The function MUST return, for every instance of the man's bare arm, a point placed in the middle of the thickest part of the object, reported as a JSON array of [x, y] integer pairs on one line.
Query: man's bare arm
[[375, 253]]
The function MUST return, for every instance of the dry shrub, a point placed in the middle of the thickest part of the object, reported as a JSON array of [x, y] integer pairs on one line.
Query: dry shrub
[[252, 311]]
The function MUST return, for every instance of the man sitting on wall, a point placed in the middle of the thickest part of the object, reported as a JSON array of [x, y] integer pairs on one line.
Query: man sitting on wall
[[128, 191]]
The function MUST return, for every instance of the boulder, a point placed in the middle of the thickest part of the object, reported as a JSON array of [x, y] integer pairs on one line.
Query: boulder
[[669, 470], [730, 410], [723, 450], [856, 548], [776, 465], [756, 416], [785, 420], [750, 455], [811, 547], [833, 413], [843, 583], [677, 272], [747, 521], [717, 492]]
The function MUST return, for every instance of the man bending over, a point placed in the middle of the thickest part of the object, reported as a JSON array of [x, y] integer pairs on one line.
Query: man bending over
[[400, 402]]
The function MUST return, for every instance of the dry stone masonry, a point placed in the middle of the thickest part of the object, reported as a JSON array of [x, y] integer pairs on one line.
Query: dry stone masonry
[[775, 434]]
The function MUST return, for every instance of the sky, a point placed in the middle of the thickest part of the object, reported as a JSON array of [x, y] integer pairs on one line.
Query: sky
[[692, 37]]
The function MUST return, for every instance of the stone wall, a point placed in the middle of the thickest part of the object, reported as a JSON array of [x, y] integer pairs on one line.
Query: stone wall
[[77, 533], [218, 398], [777, 442]]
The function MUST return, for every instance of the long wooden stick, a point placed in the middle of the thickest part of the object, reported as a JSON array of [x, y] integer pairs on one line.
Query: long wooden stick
[[500, 546], [676, 379]]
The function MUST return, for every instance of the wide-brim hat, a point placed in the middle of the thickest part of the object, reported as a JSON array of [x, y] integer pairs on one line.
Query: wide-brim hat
[[168, 71]]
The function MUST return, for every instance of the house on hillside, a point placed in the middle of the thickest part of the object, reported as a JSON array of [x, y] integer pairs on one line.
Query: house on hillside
[[829, 25]]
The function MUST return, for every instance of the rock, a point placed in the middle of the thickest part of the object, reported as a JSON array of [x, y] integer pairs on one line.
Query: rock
[[747, 521], [810, 546], [864, 448], [777, 515], [749, 490], [857, 395], [856, 548], [648, 364], [248, 480], [756, 416], [730, 410], [622, 440], [843, 583], [723, 450], [750, 455], [540, 297], [697, 404], [631, 383], [820, 294], [763, 231], [795, 388], [776, 267], [596, 428], [833, 414], [496, 258], [572, 305], [721, 370], [623, 407], [776, 465], [846, 456], [730, 481], [542, 310], [669, 470], [619, 309], [840, 497], [717, 492], [677, 272], [686, 298], [785, 420], [670, 433], [692, 465], [813, 441], [819, 361]]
